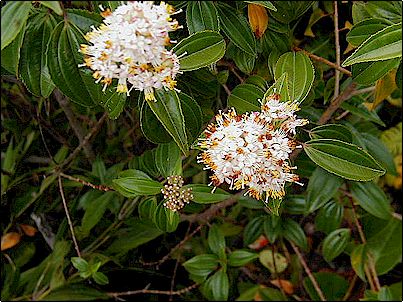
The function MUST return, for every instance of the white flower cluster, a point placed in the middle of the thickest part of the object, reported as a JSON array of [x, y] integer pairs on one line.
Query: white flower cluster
[[130, 47], [175, 196], [253, 149]]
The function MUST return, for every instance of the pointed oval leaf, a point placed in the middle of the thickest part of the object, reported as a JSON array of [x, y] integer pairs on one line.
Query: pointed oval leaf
[[253, 230], [201, 15], [201, 265], [216, 287], [300, 73], [288, 11], [364, 29], [372, 199], [33, 62], [165, 219], [13, 17], [236, 27], [193, 116], [147, 208], [292, 231], [329, 217], [202, 193], [280, 87], [385, 44], [335, 243], [241, 257], [266, 4], [367, 73], [199, 50], [332, 131], [10, 55], [53, 5], [343, 159], [168, 159], [275, 262], [216, 241], [244, 97], [167, 108]]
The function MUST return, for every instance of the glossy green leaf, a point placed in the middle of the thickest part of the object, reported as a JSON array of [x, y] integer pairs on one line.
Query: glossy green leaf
[[372, 199], [322, 187], [244, 98], [386, 246], [385, 44], [266, 4], [168, 159], [218, 284], [241, 257], [364, 29], [253, 230], [201, 265], [33, 62], [147, 208], [75, 292], [279, 87], [343, 159], [83, 19], [292, 231], [100, 278], [167, 108], [333, 286], [10, 55], [201, 15], [79, 263], [275, 262], [295, 204], [258, 81], [199, 50], [53, 5], [288, 11], [202, 193], [216, 241], [367, 73], [363, 112], [300, 74], [335, 243], [358, 259], [165, 219], [389, 11], [332, 131], [193, 116], [272, 227], [329, 217], [244, 61], [13, 17], [237, 29], [137, 183]]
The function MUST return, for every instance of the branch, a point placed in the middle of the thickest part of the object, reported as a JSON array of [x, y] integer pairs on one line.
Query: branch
[[308, 272], [154, 291], [74, 123], [337, 45], [86, 183]]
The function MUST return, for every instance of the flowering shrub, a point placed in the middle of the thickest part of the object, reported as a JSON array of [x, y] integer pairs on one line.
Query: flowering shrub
[[207, 150]]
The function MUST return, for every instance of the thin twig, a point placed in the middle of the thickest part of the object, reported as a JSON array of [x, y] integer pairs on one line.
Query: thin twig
[[154, 291], [337, 45], [335, 104], [86, 183], [350, 288], [323, 60], [363, 90], [308, 272], [68, 217]]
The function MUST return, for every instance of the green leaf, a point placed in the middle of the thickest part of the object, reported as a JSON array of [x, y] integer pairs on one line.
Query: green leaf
[[322, 187], [33, 62], [358, 259], [241, 257], [167, 108], [343, 159], [386, 246], [266, 4], [79, 263], [13, 17], [100, 278], [201, 265], [275, 262], [372, 199], [216, 241], [329, 217], [168, 159], [300, 73], [202, 193], [10, 55], [292, 231], [95, 210], [53, 5], [138, 233], [201, 15], [193, 116], [390, 12], [288, 11], [295, 204], [75, 292], [218, 285], [147, 208], [335, 243], [136, 183], [237, 29], [333, 286], [83, 19], [272, 227], [367, 73], [243, 60], [253, 230], [332, 131], [364, 29], [385, 44], [244, 98], [363, 112], [279, 87], [199, 50], [165, 219]]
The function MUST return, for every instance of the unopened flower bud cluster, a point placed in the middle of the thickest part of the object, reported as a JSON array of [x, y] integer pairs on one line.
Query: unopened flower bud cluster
[[130, 47], [252, 150], [175, 196]]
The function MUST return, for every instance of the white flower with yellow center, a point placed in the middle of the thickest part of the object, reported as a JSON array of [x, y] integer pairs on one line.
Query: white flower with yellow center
[[130, 47]]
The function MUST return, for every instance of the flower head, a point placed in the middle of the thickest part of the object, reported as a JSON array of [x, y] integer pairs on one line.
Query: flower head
[[130, 47], [252, 150], [175, 196]]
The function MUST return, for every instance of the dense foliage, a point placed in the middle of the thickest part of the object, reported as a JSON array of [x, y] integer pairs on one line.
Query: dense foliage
[[106, 160]]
